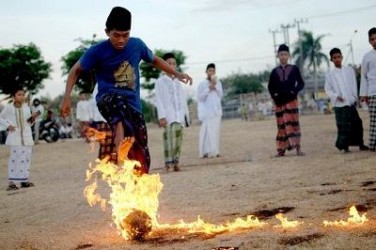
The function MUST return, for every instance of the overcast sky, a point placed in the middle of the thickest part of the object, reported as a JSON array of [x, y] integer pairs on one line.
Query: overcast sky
[[233, 34]]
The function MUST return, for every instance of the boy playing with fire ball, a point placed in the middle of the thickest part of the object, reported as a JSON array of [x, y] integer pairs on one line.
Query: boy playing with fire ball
[[116, 65]]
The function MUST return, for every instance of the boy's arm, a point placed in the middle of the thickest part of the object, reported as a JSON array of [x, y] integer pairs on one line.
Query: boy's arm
[[329, 89], [74, 73], [159, 63], [158, 101], [363, 82]]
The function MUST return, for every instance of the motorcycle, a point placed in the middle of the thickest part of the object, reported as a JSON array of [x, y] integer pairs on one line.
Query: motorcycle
[[48, 131]]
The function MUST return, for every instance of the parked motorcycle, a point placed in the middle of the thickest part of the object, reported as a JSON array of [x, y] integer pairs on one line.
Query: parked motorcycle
[[48, 131]]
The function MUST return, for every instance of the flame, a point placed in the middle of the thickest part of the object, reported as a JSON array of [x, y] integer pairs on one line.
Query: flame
[[131, 191], [354, 219], [94, 135], [200, 226], [285, 223]]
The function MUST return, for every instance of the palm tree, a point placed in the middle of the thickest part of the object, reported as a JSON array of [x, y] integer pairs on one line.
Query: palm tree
[[312, 55]]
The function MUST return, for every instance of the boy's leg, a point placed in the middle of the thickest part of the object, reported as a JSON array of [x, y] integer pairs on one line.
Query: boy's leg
[[177, 139], [372, 122], [168, 147]]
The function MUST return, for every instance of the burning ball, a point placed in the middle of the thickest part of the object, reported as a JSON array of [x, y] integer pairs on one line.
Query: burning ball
[[137, 224]]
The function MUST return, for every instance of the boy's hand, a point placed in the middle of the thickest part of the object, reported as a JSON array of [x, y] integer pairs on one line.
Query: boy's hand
[[163, 122], [340, 99], [364, 99], [184, 78], [65, 107], [11, 128]]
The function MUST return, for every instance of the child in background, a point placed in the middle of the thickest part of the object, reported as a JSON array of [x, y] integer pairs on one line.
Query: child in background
[[15, 118]]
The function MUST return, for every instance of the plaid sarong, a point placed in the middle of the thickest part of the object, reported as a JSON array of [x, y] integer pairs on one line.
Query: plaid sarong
[[172, 140], [115, 108], [106, 146], [350, 127], [372, 121], [288, 135]]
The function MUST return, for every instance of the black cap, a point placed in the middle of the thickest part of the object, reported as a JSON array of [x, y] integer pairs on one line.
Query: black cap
[[283, 47], [119, 19], [168, 56]]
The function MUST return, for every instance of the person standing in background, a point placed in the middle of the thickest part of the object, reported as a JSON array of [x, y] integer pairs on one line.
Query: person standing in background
[[172, 108], [368, 86], [209, 108], [285, 82]]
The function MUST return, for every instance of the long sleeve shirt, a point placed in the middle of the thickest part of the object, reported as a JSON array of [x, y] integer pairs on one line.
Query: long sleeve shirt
[[285, 84], [17, 117], [368, 74], [95, 115], [209, 101], [341, 82], [171, 100], [83, 111]]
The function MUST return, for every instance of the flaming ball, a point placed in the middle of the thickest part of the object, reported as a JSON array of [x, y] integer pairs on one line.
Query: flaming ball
[[137, 224]]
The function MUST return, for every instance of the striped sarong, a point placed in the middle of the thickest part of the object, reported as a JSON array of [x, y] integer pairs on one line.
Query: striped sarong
[[349, 127], [115, 108], [288, 135], [372, 121], [172, 141]]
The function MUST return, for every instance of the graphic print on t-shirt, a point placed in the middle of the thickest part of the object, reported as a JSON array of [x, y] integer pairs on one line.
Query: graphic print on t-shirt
[[124, 76]]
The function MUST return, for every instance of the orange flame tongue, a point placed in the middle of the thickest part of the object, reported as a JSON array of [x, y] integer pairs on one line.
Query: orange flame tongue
[[285, 223], [200, 226], [354, 219], [94, 135]]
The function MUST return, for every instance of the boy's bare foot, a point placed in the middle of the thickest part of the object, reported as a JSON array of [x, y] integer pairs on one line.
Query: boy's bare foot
[[166, 168], [123, 149], [12, 186], [280, 154], [176, 168], [299, 152]]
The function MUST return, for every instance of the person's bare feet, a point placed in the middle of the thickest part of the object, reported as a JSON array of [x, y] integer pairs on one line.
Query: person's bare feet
[[123, 149], [299, 151]]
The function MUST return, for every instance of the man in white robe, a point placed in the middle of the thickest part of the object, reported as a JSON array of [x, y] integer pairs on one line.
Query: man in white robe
[[341, 87], [209, 108]]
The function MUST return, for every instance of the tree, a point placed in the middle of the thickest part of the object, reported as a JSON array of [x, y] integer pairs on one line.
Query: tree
[[312, 55], [23, 65], [86, 80], [151, 74], [244, 83]]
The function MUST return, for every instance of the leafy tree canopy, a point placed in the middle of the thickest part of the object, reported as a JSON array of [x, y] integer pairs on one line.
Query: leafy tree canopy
[[236, 84], [150, 73], [86, 81], [23, 65]]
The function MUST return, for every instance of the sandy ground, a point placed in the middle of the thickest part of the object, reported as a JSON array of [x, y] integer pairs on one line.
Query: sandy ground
[[247, 179]]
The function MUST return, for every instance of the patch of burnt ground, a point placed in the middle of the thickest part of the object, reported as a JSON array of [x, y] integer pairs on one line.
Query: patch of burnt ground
[[267, 213], [367, 183], [296, 240], [361, 207]]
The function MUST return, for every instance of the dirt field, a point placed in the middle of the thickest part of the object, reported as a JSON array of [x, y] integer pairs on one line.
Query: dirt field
[[247, 179]]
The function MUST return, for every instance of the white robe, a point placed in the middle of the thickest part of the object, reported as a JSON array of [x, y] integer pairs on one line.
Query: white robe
[[171, 100], [210, 114], [22, 136], [368, 74], [20, 141], [95, 115], [341, 82], [83, 111]]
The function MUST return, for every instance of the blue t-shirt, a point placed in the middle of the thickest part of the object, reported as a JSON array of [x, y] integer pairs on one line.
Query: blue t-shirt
[[117, 71]]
